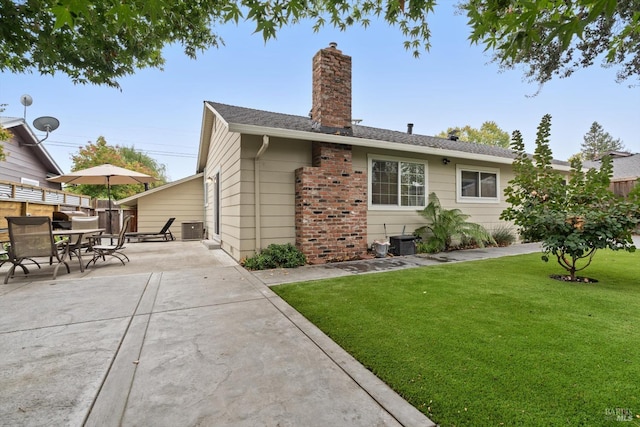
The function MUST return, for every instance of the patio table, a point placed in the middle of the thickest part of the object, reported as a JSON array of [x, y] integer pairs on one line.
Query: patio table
[[77, 244]]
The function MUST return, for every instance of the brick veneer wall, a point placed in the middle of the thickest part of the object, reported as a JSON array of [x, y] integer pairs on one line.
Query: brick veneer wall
[[331, 206]]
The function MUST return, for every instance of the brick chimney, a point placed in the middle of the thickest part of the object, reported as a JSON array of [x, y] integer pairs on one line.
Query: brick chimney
[[331, 109], [331, 197]]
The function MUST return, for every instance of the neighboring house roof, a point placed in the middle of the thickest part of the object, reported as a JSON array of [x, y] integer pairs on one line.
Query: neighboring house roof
[[258, 122], [25, 133], [624, 168], [133, 200]]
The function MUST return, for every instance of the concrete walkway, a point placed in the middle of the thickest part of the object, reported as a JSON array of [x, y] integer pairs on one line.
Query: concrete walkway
[[183, 336]]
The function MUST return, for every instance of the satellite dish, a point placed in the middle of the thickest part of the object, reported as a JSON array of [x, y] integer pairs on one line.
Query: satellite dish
[[46, 124], [26, 100]]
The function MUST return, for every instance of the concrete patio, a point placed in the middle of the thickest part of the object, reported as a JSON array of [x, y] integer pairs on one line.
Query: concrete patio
[[180, 336]]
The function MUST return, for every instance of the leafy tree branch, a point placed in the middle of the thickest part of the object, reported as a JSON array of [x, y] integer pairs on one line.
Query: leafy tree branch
[[557, 37], [489, 133], [100, 42]]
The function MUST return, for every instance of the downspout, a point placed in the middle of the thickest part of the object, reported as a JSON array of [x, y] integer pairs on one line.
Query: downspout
[[256, 181]]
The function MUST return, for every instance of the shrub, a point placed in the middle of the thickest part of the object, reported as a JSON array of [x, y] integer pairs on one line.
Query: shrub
[[445, 225], [276, 256], [503, 236], [428, 247]]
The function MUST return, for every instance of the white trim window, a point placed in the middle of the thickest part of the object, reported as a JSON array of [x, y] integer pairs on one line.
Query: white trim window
[[477, 184], [397, 183]]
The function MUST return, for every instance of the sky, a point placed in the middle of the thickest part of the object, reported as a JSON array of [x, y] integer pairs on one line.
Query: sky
[[454, 84]]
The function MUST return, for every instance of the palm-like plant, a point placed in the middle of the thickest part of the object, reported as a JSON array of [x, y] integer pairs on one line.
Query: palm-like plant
[[446, 225]]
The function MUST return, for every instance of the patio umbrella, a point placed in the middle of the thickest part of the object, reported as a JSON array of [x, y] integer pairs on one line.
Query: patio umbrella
[[104, 175]]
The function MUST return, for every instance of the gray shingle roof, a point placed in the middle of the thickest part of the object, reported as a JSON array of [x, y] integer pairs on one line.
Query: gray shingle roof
[[623, 167], [249, 116]]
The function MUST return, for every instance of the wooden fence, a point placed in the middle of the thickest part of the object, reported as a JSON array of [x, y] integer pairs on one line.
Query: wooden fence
[[23, 199], [623, 187]]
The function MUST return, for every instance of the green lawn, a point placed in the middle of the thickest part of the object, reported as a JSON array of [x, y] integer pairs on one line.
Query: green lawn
[[494, 342]]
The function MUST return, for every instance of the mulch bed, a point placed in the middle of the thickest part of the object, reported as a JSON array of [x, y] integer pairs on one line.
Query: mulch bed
[[567, 278]]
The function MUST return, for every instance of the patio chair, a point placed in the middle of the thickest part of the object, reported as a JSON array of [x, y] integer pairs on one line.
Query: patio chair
[[31, 237], [83, 223], [5, 256], [102, 251], [4, 252], [163, 234]]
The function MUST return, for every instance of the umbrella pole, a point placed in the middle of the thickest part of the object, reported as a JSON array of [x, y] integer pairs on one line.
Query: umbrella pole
[[109, 206]]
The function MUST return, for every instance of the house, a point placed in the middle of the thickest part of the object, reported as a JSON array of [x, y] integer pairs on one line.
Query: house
[[180, 199], [626, 171], [331, 186], [24, 189], [27, 161]]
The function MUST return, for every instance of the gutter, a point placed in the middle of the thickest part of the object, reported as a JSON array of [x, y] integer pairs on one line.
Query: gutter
[[257, 193]]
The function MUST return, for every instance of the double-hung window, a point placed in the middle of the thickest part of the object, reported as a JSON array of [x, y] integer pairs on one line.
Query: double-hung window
[[477, 184], [397, 183]]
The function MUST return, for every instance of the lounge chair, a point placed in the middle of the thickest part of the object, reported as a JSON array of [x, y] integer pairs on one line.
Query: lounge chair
[[31, 237], [163, 234], [102, 251]]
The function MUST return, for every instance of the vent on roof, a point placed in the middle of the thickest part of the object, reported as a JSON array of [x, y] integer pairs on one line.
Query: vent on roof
[[409, 128], [453, 135]]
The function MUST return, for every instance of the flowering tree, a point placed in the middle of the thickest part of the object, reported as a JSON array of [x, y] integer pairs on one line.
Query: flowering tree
[[572, 219]]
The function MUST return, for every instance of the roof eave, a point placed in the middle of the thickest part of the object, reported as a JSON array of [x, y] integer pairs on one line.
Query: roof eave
[[209, 115], [9, 123], [135, 197]]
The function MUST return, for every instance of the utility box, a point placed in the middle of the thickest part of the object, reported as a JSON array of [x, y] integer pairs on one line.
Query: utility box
[[403, 245], [193, 230]]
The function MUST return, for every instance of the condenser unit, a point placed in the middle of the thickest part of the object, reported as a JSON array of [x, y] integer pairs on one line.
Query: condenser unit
[[192, 230]]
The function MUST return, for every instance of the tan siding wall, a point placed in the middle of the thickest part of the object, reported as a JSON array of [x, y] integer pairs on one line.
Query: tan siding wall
[[482, 213], [277, 183], [224, 156], [277, 186], [182, 201], [442, 181]]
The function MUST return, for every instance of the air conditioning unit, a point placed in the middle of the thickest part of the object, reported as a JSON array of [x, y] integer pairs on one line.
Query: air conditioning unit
[[193, 230]]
